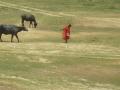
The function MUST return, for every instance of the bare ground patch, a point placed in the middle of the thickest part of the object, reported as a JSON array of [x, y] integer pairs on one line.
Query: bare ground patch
[[98, 22]]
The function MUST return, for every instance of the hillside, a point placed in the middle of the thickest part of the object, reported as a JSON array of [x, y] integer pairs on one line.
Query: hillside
[[71, 5], [42, 61]]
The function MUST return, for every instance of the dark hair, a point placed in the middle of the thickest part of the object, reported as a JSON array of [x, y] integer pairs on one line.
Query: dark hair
[[69, 25]]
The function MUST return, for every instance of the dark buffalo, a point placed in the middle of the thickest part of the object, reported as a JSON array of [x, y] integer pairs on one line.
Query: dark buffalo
[[11, 29], [30, 18]]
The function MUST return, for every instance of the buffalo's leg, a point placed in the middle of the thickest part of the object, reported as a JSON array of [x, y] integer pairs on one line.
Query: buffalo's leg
[[30, 24], [0, 37], [12, 38], [22, 22], [17, 37]]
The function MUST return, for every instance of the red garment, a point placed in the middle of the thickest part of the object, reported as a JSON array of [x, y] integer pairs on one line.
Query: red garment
[[66, 33]]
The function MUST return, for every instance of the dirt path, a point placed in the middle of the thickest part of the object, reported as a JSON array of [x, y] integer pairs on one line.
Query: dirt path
[[72, 85]]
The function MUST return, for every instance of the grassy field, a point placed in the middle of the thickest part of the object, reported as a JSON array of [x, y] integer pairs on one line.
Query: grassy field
[[42, 61]]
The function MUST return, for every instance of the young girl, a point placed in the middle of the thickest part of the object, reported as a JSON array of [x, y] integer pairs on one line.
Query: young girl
[[66, 33]]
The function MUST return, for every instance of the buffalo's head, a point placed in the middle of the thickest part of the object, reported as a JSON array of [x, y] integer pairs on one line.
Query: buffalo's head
[[22, 28], [35, 24]]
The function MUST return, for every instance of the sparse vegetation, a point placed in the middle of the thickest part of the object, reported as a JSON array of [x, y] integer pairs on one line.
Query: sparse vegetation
[[90, 60]]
